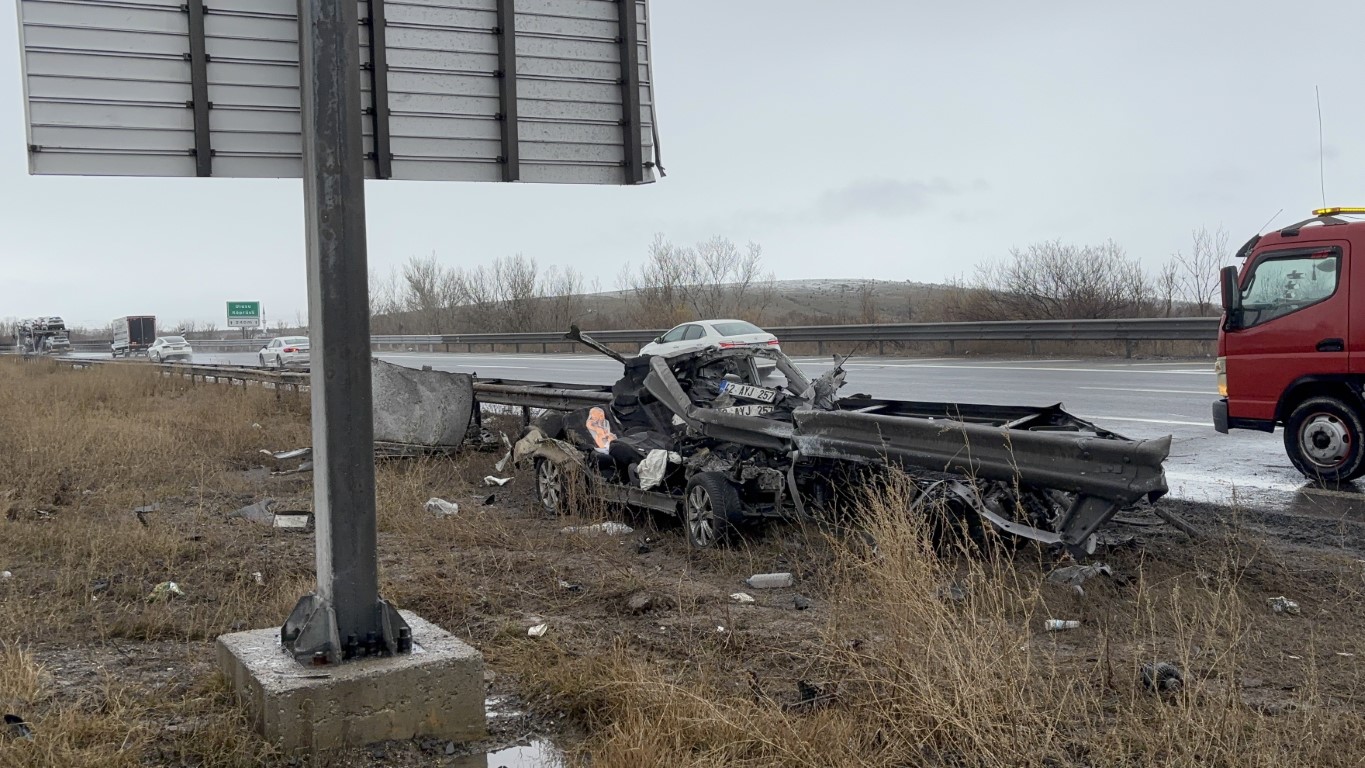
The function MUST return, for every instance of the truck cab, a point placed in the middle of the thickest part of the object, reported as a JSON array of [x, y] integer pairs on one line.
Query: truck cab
[[1290, 353]]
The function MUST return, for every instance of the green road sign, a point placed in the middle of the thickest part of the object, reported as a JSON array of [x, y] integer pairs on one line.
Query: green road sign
[[243, 314]]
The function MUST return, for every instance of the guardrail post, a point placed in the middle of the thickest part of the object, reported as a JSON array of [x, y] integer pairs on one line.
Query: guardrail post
[[518, 347], [1033, 347], [544, 348], [1128, 348], [952, 347], [881, 348], [819, 347]]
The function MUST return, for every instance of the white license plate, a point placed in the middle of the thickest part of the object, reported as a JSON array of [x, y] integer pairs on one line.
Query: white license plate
[[750, 392], [749, 410]]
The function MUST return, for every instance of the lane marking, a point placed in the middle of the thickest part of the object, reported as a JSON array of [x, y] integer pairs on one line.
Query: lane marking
[[1159, 391]]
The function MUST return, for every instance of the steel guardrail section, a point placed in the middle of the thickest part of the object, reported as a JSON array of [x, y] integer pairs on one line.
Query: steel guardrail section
[[1124, 329], [1122, 471]]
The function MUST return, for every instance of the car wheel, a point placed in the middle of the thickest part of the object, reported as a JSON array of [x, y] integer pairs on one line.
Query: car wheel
[[1323, 439], [279, 362], [154, 356], [709, 504], [550, 486]]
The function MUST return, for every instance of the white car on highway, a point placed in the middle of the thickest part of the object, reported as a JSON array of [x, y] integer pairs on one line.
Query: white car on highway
[[167, 348], [718, 334], [286, 351]]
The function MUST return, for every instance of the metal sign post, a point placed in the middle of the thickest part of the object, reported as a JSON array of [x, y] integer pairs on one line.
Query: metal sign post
[[345, 616]]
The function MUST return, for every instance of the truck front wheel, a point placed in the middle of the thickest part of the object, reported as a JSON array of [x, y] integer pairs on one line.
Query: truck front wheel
[[1323, 438]]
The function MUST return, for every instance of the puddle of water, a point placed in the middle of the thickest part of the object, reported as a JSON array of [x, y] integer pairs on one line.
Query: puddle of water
[[538, 753]]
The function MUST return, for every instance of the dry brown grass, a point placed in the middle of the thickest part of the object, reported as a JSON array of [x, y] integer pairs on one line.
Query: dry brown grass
[[915, 679], [110, 679]]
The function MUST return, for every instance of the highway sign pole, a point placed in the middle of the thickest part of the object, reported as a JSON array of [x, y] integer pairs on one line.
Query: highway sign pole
[[345, 616]]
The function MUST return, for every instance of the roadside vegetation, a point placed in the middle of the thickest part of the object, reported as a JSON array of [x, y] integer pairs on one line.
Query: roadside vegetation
[[900, 657]]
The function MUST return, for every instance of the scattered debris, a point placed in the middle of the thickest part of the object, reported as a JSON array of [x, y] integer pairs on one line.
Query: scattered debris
[[489, 499], [6, 575], [570, 586], [643, 546], [609, 528], [16, 728], [1075, 575], [538, 630], [441, 507], [141, 512], [801, 603], [165, 591], [1162, 677], [810, 697], [1346, 655], [498, 481], [953, 593], [742, 598], [97, 586], [254, 425], [306, 466], [258, 578], [260, 512], [1057, 625], [286, 455], [770, 580], [640, 602], [294, 520], [1283, 604]]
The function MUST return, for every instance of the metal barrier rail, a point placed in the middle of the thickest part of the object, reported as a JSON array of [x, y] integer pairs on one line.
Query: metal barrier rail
[[1125, 329]]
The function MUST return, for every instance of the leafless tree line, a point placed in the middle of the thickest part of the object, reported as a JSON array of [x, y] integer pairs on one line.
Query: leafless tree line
[[512, 294], [1062, 281]]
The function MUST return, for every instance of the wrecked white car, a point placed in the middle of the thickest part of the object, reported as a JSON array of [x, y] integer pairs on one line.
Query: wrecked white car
[[699, 436]]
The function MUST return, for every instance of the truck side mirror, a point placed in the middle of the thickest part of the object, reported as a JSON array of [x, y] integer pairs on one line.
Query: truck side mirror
[[1232, 296]]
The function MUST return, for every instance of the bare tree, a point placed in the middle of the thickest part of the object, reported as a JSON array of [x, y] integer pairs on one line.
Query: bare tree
[[1055, 281], [1166, 287], [715, 278], [1199, 270]]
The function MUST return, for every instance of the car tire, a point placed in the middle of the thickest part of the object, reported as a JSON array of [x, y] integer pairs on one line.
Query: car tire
[[550, 486], [154, 357], [279, 362], [710, 502], [1323, 437], [261, 358]]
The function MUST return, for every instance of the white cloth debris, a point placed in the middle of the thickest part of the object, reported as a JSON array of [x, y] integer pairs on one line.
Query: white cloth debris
[[498, 481], [655, 466]]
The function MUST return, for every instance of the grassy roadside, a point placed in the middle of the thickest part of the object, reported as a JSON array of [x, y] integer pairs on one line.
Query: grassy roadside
[[648, 661]]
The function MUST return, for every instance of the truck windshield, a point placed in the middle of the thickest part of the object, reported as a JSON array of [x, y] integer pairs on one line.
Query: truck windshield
[[1281, 285]]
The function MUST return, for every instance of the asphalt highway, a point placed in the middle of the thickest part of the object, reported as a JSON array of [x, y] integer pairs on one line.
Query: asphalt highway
[[1139, 399]]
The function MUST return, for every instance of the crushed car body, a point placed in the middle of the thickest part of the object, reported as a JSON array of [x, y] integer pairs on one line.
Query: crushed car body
[[700, 436]]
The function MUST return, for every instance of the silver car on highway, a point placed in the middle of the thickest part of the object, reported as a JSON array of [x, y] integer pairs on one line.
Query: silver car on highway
[[170, 348], [286, 352]]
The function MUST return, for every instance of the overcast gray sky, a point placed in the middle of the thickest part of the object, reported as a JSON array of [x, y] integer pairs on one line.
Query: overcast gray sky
[[890, 139]]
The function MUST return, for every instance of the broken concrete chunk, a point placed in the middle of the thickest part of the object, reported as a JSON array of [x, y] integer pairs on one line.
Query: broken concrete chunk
[[801, 603], [1283, 604], [441, 507], [770, 580], [609, 528], [742, 598]]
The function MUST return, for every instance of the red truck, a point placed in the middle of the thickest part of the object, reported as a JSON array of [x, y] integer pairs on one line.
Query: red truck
[[1291, 348]]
